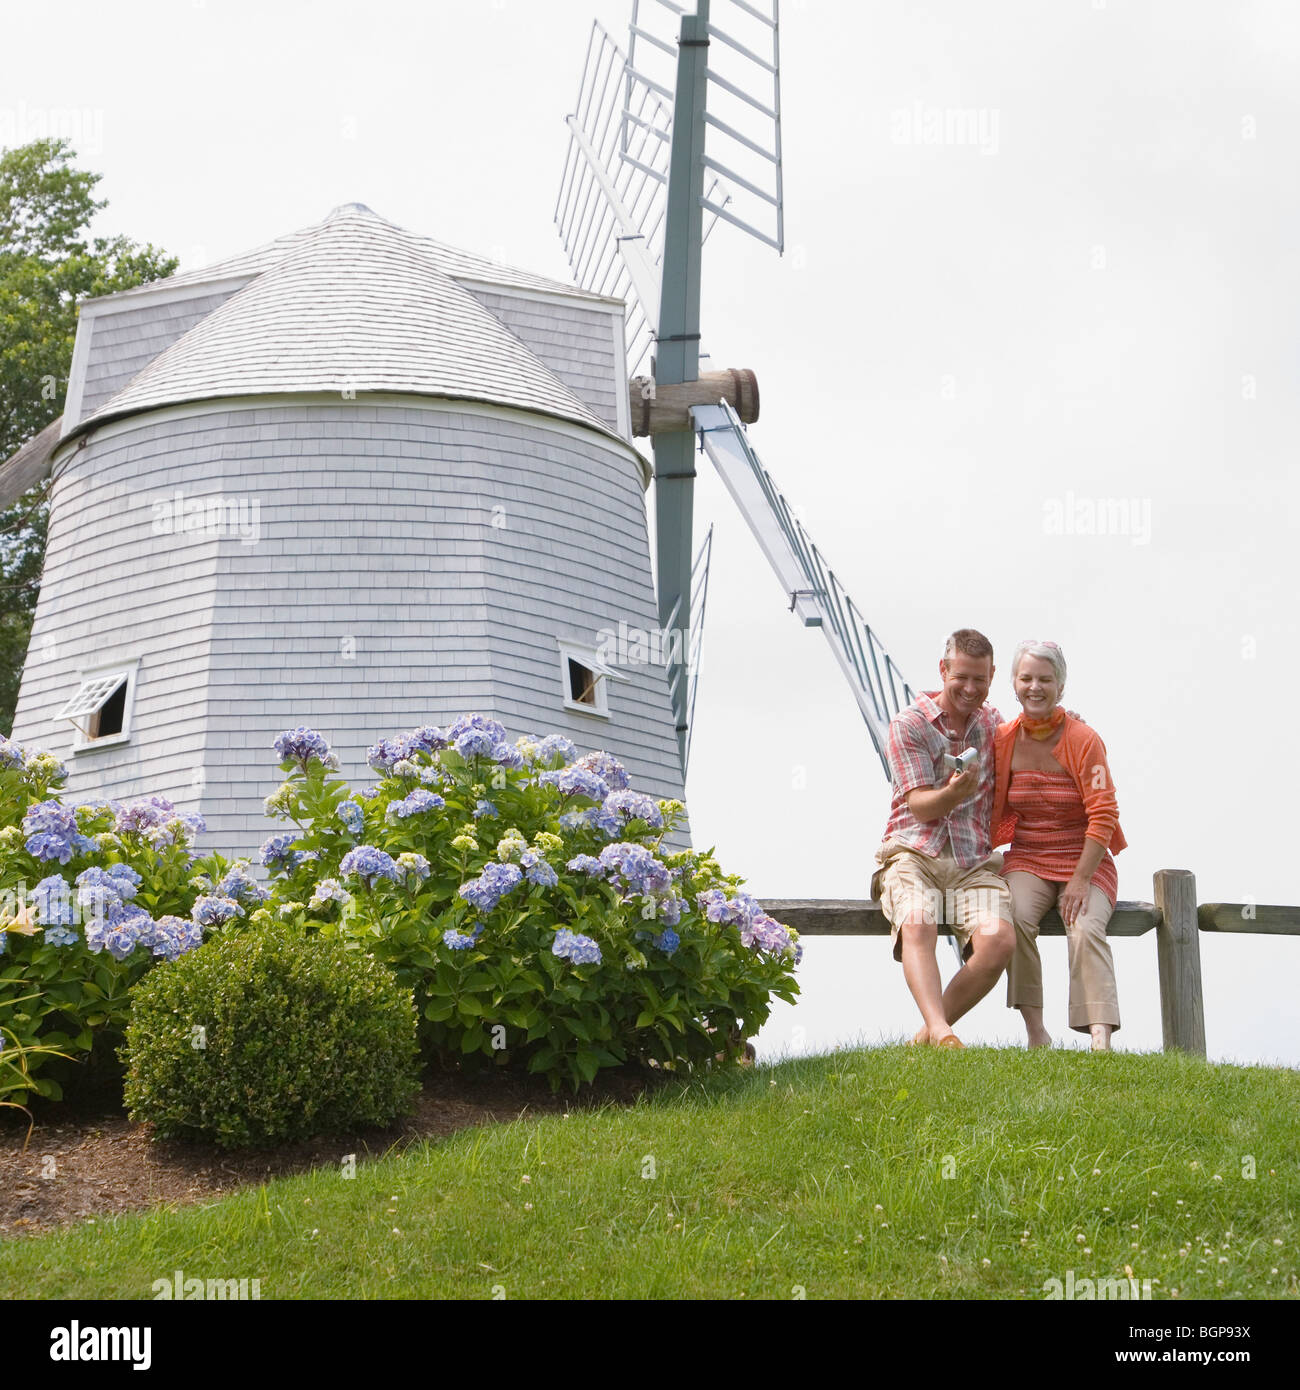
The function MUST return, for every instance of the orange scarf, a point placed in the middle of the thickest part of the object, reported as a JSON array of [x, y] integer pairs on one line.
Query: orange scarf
[[1042, 729]]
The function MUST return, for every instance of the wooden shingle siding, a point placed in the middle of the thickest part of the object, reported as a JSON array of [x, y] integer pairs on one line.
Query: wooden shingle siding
[[125, 342], [579, 344], [375, 526]]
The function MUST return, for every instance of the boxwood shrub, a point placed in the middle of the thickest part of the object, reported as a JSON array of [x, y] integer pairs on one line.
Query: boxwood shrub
[[269, 1034]]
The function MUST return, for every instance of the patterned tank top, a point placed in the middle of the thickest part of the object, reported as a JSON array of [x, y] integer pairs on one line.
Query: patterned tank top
[[1051, 827]]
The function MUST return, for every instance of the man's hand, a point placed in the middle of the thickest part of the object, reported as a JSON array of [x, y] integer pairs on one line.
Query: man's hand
[[963, 785]]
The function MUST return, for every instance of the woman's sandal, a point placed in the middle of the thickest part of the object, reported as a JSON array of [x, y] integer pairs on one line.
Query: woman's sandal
[[952, 1040]]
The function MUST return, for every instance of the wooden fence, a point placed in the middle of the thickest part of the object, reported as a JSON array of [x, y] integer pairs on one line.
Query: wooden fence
[[1175, 918]]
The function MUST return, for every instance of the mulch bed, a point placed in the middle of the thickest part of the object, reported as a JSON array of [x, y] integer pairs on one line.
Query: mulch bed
[[104, 1164]]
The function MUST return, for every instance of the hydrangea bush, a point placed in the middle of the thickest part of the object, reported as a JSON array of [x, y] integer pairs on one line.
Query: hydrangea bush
[[90, 898], [526, 896]]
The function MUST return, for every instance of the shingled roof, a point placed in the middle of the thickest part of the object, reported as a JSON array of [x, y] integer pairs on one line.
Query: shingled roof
[[354, 304]]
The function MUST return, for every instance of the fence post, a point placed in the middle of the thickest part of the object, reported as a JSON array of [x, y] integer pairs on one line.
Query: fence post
[[1178, 950]]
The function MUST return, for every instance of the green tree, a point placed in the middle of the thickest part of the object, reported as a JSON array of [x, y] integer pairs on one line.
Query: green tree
[[48, 264]]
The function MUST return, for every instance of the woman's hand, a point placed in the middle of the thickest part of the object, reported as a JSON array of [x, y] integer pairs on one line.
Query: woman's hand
[[1073, 899]]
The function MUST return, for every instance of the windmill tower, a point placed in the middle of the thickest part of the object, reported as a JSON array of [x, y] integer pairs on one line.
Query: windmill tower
[[670, 136], [353, 479]]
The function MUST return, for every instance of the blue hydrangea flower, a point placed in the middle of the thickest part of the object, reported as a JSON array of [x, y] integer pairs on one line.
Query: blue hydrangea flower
[[491, 886], [670, 910], [474, 743], [555, 746], [52, 833], [386, 754], [4, 940], [240, 885], [480, 724], [212, 911], [369, 864], [507, 755], [717, 907], [275, 852], [119, 930], [667, 941], [426, 739], [607, 768], [52, 899], [353, 816], [579, 949], [11, 754], [172, 937], [300, 746], [419, 801], [459, 941], [329, 890], [537, 870], [60, 936], [586, 864], [485, 808], [576, 781], [416, 864]]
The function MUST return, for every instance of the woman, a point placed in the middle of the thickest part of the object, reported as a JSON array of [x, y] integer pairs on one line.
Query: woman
[[1054, 802]]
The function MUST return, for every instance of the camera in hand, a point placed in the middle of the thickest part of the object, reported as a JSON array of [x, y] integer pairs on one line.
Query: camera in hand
[[961, 762]]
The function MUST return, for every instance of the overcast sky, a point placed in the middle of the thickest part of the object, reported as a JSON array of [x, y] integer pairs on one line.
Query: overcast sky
[[1093, 299]]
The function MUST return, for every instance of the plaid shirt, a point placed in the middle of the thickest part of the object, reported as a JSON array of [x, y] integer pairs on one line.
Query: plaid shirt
[[917, 744]]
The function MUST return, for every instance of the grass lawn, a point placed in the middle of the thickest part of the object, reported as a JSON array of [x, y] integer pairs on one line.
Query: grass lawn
[[875, 1173]]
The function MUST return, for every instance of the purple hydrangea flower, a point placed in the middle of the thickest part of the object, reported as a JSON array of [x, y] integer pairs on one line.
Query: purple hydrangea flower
[[636, 868], [585, 864], [576, 781], [143, 815], [11, 754], [382, 756], [414, 804], [766, 933], [491, 886], [240, 885], [300, 746], [507, 755], [630, 805], [717, 907], [579, 949], [426, 739], [607, 768]]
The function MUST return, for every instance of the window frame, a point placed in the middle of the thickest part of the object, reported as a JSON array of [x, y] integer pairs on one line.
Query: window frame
[[129, 670], [586, 657]]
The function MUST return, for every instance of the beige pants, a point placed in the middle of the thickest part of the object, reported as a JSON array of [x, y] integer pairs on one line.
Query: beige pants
[[1093, 998]]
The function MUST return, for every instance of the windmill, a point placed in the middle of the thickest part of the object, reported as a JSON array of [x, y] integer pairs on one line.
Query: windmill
[[670, 136]]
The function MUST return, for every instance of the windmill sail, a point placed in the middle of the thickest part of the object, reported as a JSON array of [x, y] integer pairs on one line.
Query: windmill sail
[[810, 584]]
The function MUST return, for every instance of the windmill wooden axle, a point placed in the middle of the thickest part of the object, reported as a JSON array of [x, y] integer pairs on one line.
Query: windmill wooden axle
[[658, 409]]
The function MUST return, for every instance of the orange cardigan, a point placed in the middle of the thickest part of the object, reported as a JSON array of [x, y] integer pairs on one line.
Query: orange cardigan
[[1081, 752]]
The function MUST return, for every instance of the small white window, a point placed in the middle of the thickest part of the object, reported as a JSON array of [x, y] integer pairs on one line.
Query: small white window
[[100, 711], [584, 678]]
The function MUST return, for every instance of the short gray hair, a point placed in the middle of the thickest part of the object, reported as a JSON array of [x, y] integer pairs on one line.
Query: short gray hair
[[1045, 651]]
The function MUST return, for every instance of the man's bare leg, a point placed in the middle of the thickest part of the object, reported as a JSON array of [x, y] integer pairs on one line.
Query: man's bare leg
[[1038, 1035], [992, 946], [1100, 1037], [921, 971]]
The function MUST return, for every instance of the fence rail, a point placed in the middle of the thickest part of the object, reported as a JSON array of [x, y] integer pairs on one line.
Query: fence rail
[[1174, 917]]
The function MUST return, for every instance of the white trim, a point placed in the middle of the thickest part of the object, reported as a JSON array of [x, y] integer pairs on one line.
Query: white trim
[[130, 670], [215, 405], [575, 651], [604, 303], [620, 375], [77, 372], [125, 300]]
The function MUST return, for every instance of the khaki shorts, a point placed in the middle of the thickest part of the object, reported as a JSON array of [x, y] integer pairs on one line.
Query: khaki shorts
[[909, 885]]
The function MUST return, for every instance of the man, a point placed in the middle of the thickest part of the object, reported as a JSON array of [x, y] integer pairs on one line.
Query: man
[[935, 860]]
